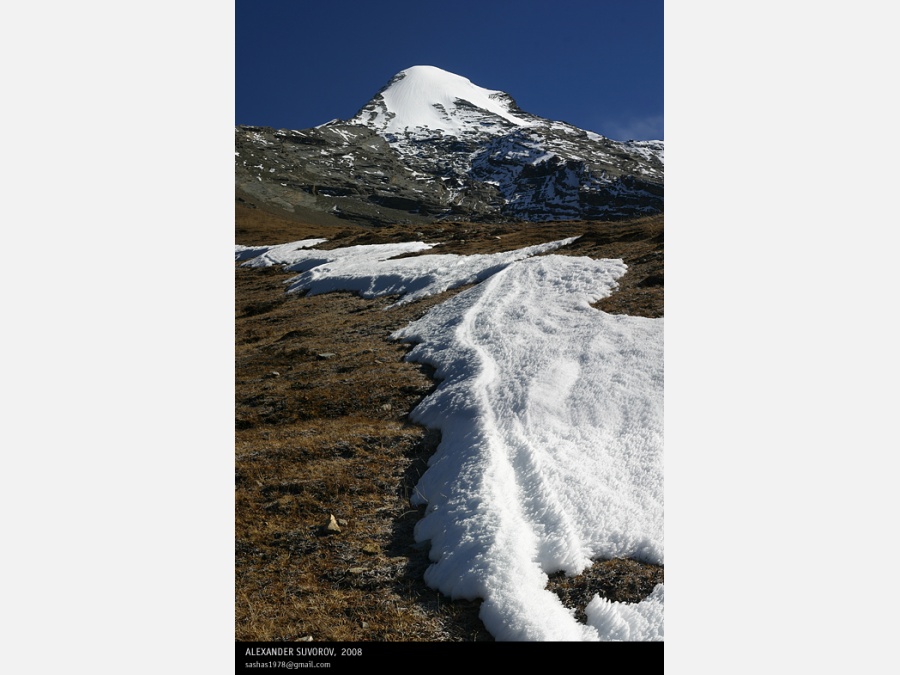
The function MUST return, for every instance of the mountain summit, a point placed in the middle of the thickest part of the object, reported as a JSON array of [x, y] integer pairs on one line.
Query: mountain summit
[[425, 97], [431, 145]]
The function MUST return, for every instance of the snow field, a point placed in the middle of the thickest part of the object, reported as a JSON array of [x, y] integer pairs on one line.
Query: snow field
[[551, 415]]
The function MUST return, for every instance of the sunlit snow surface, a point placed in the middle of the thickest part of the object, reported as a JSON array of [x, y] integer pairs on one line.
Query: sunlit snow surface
[[551, 453], [551, 415]]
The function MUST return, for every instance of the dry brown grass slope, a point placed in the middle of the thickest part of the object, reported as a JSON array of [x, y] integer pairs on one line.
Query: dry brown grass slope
[[319, 436]]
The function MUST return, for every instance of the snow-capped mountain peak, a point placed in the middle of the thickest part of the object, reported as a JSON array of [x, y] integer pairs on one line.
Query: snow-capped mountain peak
[[432, 145], [428, 98]]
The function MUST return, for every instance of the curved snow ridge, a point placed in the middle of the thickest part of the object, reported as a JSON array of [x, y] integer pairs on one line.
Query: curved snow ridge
[[618, 621], [551, 454], [368, 271]]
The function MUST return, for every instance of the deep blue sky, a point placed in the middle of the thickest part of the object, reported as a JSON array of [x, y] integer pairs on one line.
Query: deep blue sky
[[597, 64]]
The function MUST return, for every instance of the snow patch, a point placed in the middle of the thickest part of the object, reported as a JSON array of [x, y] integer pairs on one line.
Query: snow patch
[[551, 451], [266, 256], [367, 270]]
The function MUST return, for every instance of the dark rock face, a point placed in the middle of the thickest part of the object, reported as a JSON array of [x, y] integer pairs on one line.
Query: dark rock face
[[482, 168]]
